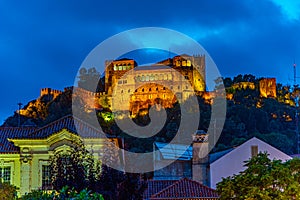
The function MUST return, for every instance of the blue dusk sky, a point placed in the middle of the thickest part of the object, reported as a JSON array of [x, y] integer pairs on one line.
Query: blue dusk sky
[[43, 43]]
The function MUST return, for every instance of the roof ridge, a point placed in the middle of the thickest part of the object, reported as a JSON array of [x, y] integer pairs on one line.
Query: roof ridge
[[84, 122], [163, 190], [17, 127], [180, 181], [51, 123]]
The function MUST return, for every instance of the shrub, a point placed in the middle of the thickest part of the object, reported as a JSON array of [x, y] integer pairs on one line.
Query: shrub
[[7, 191]]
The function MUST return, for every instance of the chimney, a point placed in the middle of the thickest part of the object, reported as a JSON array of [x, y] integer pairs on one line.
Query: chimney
[[200, 162]]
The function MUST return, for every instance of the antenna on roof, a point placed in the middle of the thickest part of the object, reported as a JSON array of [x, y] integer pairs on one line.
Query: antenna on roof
[[296, 99], [19, 115]]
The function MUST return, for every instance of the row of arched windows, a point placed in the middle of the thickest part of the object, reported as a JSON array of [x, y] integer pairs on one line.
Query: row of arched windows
[[156, 89], [153, 77]]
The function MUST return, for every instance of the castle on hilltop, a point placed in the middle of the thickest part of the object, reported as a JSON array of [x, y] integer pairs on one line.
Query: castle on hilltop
[[164, 82], [136, 88]]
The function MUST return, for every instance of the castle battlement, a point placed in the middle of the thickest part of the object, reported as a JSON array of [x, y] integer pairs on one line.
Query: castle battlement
[[50, 91]]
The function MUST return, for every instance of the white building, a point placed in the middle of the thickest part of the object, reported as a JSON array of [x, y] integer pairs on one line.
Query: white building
[[230, 162]]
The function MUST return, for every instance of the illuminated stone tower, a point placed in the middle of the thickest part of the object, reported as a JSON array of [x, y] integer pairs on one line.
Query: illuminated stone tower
[[115, 70]]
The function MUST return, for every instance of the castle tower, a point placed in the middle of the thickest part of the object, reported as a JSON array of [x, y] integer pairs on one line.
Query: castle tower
[[200, 160], [114, 70], [199, 73], [267, 87]]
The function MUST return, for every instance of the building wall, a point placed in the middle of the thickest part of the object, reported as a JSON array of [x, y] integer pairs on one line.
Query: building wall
[[142, 87], [267, 87], [233, 162], [26, 166]]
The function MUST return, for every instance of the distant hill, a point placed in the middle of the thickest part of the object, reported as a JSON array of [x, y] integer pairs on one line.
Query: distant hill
[[270, 117]]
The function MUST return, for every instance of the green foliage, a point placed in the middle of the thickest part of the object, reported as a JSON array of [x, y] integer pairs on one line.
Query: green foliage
[[64, 194], [263, 179], [88, 79], [7, 191], [75, 168]]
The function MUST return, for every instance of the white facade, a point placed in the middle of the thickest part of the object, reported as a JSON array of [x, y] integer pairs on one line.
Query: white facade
[[233, 162]]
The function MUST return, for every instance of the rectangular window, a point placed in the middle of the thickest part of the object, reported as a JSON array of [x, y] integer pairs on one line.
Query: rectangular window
[[46, 179], [5, 173], [254, 150]]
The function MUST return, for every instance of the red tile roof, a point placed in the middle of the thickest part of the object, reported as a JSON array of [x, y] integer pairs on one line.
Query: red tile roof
[[185, 189], [154, 186]]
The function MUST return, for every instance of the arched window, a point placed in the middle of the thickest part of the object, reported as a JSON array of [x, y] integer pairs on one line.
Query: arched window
[[165, 77], [161, 77], [151, 77]]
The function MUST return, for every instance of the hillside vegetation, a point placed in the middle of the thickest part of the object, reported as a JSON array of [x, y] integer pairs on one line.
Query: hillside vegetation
[[248, 115]]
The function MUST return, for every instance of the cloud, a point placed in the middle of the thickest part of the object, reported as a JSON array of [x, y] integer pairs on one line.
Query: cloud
[[45, 39]]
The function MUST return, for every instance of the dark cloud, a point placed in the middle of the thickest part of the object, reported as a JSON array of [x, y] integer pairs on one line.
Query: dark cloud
[[45, 39]]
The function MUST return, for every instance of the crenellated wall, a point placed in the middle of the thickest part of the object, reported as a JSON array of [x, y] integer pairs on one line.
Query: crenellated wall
[[50, 91]]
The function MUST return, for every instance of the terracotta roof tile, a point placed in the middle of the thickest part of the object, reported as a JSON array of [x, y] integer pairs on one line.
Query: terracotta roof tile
[[154, 186], [185, 189]]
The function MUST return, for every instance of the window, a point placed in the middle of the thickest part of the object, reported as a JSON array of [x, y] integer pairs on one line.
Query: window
[[120, 67], [254, 150], [188, 63], [46, 181], [152, 77], [5, 174], [115, 68]]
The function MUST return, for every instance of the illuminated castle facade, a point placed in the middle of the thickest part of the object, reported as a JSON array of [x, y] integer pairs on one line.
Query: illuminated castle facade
[[165, 82]]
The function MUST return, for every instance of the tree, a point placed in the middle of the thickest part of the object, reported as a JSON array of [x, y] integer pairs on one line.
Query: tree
[[89, 79], [131, 188], [75, 168], [263, 179], [7, 191]]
